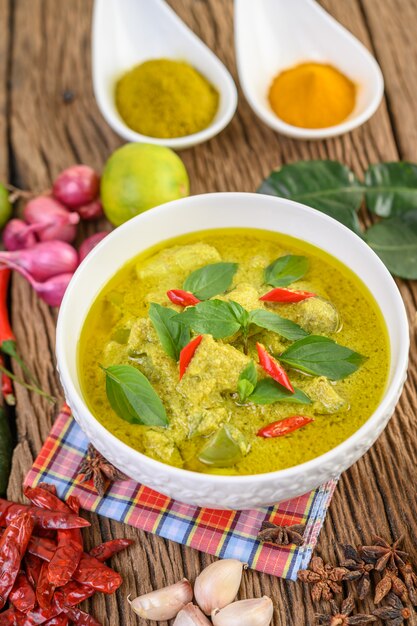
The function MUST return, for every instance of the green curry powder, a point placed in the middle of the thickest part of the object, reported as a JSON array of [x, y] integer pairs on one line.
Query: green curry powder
[[166, 99]]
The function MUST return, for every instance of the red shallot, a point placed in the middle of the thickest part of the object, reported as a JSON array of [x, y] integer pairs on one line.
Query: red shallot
[[17, 235], [91, 211], [52, 290], [51, 219], [90, 243], [76, 186], [43, 260]]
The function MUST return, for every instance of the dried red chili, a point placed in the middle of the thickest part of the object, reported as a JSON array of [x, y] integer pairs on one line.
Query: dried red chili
[[41, 547], [44, 519], [68, 552], [80, 618], [22, 596], [33, 566], [11, 617], [286, 296], [13, 544], [59, 620], [94, 573], [106, 550], [44, 589], [187, 354], [285, 426], [182, 298], [273, 368]]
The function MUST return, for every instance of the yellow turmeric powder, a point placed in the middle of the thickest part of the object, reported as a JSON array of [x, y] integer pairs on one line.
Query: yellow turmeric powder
[[166, 98], [312, 95]]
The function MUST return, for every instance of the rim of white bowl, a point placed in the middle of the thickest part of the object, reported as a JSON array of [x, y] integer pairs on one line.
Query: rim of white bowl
[[228, 92], [389, 395]]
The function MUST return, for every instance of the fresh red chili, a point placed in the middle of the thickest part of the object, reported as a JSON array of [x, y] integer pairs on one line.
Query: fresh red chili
[[6, 332], [80, 618], [187, 354], [44, 589], [273, 368], [7, 386], [182, 298], [106, 550], [44, 519], [13, 544], [22, 596], [286, 296], [285, 426]]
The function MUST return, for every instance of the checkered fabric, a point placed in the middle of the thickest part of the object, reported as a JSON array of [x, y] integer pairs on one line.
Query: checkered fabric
[[226, 534]]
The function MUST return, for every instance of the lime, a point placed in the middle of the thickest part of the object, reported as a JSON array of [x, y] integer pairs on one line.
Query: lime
[[5, 206], [138, 177]]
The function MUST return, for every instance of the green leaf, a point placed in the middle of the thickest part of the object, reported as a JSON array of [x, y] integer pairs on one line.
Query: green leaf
[[272, 321], [391, 188], [321, 356], [222, 450], [132, 396], [210, 280], [213, 317], [395, 242], [173, 336], [247, 381], [327, 186], [268, 391], [286, 270]]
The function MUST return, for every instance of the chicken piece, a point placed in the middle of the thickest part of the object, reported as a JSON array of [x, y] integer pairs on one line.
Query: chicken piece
[[316, 315], [324, 396], [213, 370], [160, 446], [175, 263], [209, 421], [115, 352], [244, 294], [145, 349]]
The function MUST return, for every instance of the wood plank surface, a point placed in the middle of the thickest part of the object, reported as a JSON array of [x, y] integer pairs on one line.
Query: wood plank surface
[[44, 52]]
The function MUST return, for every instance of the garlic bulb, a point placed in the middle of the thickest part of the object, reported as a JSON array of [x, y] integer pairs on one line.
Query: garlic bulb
[[191, 616], [218, 584], [163, 603], [256, 612]]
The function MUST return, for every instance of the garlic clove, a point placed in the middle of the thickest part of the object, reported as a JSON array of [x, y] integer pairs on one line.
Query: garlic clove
[[163, 603], [256, 612], [218, 584], [191, 615]]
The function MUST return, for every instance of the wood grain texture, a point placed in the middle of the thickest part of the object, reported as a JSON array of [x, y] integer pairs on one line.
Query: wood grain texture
[[44, 51]]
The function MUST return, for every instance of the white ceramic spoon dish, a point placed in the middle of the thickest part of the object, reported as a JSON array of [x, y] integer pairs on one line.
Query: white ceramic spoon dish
[[129, 32], [274, 35]]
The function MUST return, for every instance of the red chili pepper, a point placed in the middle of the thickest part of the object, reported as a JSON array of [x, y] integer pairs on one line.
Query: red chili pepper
[[182, 298], [11, 617], [48, 487], [6, 332], [187, 354], [59, 620], [94, 573], [106, 550], [71, 594], [285, 426], [22, 596], [273, 368], [33, 566], [44, 519], [41, 547], [44, 589], [7, 386], [286, 295], [80, 618], [13, 544]]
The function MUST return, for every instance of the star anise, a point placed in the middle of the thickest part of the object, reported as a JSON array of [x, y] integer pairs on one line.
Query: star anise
[[324, 578], [395, 613], [384, 553], [281, 535], [390, 582], [342, 616], [410, 579], [359, 567], [95, 466]]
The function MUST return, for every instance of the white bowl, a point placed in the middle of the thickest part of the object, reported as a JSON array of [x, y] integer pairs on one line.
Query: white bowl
[[222, 210], [133, 31]]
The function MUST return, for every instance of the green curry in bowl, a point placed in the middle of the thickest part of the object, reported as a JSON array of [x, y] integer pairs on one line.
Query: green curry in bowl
[[234, 351]]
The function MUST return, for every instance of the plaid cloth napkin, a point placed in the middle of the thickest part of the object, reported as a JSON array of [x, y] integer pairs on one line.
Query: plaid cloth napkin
[[226, 534]]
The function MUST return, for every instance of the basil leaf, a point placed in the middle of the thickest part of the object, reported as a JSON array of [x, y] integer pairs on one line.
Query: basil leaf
[[173, 336], [268, 391], [272, 321], [321, 356], [286, 270], [391, 188], [327, 186], [132, 396], [210, 280], [395, 242], [247, 381], [213, 317]]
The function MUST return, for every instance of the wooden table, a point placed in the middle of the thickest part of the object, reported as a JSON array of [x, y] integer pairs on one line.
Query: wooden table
[[45, 52]]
